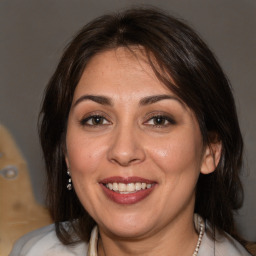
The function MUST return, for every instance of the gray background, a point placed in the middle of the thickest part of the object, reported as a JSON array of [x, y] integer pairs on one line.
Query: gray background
[[33, 34]]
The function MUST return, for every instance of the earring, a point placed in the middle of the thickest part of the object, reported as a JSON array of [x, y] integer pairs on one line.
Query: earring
[[69, 186]]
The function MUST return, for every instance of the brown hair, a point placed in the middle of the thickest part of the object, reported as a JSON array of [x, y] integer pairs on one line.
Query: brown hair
[[199, 82]]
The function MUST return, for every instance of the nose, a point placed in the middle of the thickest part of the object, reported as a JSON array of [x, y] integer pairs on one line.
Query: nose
[[126, 147]]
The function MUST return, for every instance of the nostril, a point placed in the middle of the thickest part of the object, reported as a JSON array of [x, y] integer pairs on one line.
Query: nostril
[[125, 161]]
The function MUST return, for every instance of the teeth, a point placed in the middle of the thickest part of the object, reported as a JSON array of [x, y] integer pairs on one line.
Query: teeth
[[115, 186], [122, 187], [127, 188], [138, 186], [130, 187]]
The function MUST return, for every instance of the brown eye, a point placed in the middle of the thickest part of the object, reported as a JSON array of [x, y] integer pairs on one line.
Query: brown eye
[[95, 120], [160, 121]]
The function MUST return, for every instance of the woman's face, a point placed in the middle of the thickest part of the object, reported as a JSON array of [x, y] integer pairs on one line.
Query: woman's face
[[134, 149]]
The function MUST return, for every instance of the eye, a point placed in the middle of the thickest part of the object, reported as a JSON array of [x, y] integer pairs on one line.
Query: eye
[[95, 120], [160, 121]]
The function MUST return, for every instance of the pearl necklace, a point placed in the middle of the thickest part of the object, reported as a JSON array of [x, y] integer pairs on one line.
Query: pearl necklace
[[201, 233]]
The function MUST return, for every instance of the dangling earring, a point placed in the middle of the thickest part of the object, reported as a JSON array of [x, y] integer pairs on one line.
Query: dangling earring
[[69, 186]]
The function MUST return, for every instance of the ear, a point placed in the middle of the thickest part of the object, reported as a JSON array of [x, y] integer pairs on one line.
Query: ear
[[65, 152], [67, 161], [211, 157]]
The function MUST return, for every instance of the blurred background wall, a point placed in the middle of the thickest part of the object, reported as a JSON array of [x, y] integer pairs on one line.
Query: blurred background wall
[[34, 33]]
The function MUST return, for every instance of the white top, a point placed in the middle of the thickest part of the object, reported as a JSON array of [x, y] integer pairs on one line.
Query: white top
[[44, 242]]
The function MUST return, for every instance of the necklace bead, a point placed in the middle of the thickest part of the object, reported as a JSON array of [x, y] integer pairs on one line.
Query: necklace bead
[[201, 233]]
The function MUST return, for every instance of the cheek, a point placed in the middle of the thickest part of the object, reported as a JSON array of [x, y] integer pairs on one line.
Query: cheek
[[179, 163], [84, 155], [179, 155]]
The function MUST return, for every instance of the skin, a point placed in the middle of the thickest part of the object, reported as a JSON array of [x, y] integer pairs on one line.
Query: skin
[[128, 141]]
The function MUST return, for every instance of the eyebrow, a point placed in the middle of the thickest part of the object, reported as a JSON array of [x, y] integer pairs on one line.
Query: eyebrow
[[103, 100], [155, 98]]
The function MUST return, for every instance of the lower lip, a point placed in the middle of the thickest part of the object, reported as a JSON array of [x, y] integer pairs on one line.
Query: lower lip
[[130, 198]]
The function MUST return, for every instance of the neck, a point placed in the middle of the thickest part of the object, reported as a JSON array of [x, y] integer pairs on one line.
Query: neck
[[177, 238]]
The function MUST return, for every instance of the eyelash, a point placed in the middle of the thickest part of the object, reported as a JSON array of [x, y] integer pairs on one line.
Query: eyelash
[[85, 121], [164, 118], [104, 121]]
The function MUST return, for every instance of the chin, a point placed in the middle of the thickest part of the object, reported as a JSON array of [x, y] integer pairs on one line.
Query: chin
[[128, 225]]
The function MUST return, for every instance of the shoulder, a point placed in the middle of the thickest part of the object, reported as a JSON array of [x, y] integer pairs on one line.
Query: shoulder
[[224, 245], [44, 242]]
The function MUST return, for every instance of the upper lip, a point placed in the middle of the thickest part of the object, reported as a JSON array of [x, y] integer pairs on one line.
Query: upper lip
[[126, 180]]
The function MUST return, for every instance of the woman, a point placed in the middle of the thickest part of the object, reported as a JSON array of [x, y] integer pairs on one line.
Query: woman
[[142, 144]]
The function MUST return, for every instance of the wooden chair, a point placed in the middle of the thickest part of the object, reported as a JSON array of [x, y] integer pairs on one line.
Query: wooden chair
[[19, 212]]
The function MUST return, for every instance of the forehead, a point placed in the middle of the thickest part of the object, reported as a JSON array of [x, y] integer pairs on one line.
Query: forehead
[[120, 70]]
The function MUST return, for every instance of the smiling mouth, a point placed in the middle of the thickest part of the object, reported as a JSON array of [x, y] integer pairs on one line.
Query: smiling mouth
[[129, 188]]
